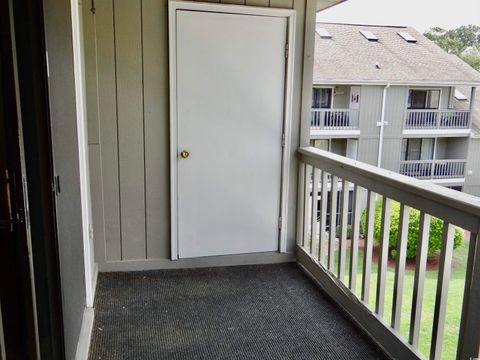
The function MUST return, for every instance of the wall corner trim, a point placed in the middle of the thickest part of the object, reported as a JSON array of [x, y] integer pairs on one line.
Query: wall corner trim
[[85, 337]]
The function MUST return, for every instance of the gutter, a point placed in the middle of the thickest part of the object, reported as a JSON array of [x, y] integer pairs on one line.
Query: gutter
[[382, 124], [396, 83]]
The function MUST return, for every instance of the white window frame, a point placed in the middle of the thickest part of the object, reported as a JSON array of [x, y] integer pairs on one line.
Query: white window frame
[[331, 99], [425, 89]]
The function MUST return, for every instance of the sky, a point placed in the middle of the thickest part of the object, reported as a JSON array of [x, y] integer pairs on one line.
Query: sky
[[420, 14]]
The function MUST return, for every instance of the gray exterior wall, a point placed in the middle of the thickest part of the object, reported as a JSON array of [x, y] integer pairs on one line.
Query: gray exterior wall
[[395, 110], [341, 100], [452, 148], [126, 49], [472, 177], [58, 34], [370, 114]]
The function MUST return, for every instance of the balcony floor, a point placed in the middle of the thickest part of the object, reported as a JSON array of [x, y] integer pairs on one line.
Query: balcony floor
[[244, 312]]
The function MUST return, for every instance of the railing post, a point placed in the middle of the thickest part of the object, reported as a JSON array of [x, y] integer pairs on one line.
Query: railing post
[[469, 336], [301, 203]]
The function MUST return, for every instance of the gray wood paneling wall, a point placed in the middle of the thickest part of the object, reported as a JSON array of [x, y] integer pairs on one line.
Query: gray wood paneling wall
[[126, 59]]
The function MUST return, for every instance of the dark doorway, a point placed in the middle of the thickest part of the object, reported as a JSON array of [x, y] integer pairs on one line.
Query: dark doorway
[[30, 296]]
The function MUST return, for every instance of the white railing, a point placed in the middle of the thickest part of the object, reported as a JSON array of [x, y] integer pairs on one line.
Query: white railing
[[437, 119], [334, 119], [346, 271], [433, 169]]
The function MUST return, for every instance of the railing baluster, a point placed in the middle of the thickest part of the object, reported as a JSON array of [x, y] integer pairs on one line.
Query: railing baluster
[[400, 266], [306, 235], [342, 250], [301, 199], [419, 280], [469, 338], [323, 218], [368, 247], [355, 236], [439, 119], [313, 216], [333, 222], [320, 168], [446, 255], [383, 256]]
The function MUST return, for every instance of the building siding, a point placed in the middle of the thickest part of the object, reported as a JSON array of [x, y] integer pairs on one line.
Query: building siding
[[472, 176]]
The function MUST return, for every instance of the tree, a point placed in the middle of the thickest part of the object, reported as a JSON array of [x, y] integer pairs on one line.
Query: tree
[[463, 41]]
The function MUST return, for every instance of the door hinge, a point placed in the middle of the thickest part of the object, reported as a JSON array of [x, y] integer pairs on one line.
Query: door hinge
[[283, 140], [56, 185], [280, 222], [286, 51]]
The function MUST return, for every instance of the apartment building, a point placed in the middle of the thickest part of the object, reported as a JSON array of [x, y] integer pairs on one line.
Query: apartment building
[[388, 96]]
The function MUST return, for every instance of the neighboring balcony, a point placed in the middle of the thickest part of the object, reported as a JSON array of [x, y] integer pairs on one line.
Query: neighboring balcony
[[433, 169], [438, 121], [335, 121]]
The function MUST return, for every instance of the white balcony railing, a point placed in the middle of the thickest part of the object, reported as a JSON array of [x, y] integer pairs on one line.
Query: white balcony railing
[[348, 271], [437, 119], [334, 119], [433, 169]]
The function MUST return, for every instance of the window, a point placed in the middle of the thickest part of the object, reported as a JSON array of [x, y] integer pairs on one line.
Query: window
[[424, 99], [322, 144], [417, 149], [343, 147], [322, 98]]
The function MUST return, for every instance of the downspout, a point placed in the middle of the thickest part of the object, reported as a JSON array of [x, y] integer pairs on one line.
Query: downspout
[[382, 125]]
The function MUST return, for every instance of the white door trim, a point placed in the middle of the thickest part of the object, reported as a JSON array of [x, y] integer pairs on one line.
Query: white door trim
[[80, 97], [230, 9]]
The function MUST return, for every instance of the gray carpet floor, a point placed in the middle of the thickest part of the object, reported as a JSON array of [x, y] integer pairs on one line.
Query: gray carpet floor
[[243, 312]]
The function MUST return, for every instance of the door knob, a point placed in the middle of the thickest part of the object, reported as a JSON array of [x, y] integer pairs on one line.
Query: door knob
[[184, 154]]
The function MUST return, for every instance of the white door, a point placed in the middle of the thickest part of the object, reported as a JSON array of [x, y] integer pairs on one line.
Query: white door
[[230, 82]]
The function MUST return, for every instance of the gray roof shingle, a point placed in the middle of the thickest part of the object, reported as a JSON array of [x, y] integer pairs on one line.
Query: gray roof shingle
[[349, 57]]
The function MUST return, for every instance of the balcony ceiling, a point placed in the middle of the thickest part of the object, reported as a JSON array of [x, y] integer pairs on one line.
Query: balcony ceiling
[[325, 4]]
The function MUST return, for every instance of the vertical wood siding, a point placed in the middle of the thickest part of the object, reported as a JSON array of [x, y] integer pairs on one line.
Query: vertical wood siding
[[126, 59], [395, 109], [107, 104], [155, 89], [130, 131], [370, 114], [473, 165]]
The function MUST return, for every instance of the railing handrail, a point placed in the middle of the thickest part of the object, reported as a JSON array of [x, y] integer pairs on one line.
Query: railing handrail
[[438, 110], [455, 207], [433, 161], [332, 110]]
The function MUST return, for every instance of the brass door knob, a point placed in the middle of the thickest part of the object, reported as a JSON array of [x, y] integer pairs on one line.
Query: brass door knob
[[184, 154]]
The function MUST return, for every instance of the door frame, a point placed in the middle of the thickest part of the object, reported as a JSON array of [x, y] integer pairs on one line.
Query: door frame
[[289, 14]]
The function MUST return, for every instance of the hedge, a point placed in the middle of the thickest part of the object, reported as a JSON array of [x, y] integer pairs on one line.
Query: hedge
[[436, 230]]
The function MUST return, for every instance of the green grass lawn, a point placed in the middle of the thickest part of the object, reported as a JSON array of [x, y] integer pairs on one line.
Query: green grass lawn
[[455, 297]]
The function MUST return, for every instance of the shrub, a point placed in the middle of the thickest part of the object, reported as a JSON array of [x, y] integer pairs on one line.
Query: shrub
[[436, 230], [349, 231]]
